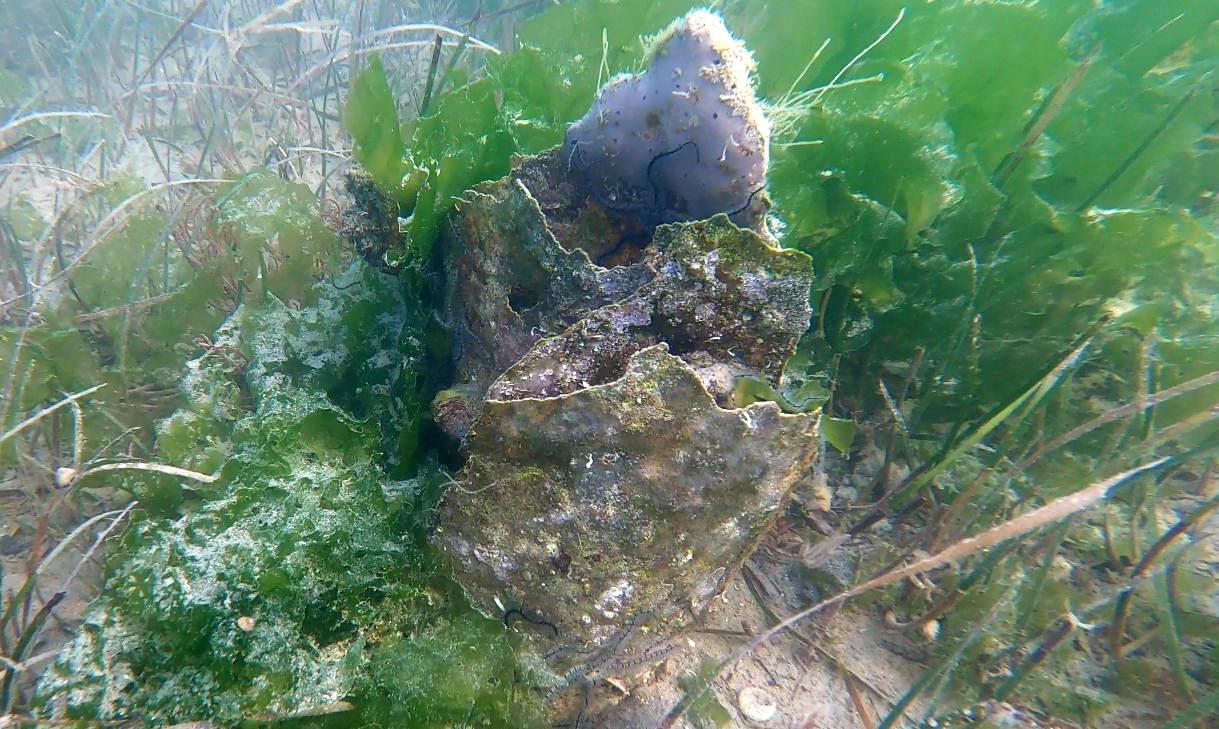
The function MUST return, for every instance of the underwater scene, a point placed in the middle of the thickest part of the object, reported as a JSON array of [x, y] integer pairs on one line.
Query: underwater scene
[[658, 364]]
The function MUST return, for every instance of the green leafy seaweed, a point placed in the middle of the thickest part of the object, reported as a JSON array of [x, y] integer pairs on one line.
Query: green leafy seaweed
[[298, 583]]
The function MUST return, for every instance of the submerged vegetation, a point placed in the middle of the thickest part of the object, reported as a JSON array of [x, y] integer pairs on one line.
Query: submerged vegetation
[[295, 583], [1015, 298]]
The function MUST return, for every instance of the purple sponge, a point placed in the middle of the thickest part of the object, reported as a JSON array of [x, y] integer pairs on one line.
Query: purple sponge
[[683, 140]]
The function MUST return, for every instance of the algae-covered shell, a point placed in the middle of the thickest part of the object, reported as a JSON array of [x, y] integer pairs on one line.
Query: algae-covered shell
[[607, 474], [618, 499]]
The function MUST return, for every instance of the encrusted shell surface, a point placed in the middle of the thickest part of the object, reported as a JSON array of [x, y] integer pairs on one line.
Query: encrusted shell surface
[[616, 500], [608, 477]]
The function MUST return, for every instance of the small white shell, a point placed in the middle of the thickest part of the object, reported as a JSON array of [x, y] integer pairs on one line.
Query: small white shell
[[756, 704]]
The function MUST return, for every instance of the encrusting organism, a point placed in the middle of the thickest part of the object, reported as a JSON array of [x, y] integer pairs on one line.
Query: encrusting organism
[[683, 140]]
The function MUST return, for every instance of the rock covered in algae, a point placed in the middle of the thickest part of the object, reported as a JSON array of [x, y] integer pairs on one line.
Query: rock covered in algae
[[609, 478], [719, 296], [683, 140], [589, 509], [608, 475]]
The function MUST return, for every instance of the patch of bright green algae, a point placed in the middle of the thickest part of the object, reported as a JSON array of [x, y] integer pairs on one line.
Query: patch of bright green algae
[[297, 585]]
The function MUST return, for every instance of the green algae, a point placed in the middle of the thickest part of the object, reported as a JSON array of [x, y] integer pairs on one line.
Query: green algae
[[705, 711], [296, 583]]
